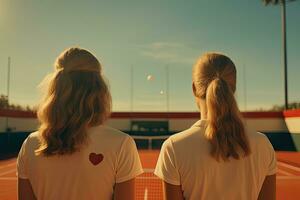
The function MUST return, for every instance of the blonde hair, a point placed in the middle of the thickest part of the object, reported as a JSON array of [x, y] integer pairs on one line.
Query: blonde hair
[[77, 97], [214, 79]]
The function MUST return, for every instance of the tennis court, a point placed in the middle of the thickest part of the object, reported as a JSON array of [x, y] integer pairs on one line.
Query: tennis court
[[150, 188]]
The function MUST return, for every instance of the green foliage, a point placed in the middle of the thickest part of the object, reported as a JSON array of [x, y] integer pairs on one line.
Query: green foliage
[[3, 101], [4, 104], [275, 2], [293, 105]]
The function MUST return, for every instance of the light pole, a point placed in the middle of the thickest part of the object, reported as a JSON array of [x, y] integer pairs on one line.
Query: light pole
[[7, 89], [131, 88], [284, 44], [283, 17], [245, 87], [167, 89], [7, 93]]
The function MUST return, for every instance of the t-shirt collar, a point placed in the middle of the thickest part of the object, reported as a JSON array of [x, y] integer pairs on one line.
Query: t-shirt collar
[[200, 123]]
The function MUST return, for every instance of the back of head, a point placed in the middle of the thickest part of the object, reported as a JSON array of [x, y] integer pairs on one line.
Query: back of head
[[214, 79], [77, 97]]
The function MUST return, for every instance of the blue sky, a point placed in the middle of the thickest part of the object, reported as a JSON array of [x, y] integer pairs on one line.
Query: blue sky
[[148, 37]]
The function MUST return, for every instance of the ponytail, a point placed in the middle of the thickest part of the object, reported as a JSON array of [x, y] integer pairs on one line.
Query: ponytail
[[225, 129]]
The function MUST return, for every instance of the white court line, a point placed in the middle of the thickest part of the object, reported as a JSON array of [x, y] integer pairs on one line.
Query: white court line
[[285, 172], [7, 172], [289, 166], [8, 165], [146, 194], [8, 178]]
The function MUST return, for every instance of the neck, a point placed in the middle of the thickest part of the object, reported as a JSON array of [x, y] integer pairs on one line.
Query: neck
[[203, 108]]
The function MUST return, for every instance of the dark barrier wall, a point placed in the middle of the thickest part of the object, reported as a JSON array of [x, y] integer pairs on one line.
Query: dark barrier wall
[[10, 143], [282, 141]]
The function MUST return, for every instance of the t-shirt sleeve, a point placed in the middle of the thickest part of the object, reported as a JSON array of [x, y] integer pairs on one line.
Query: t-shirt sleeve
[[22, 168], [272, 161], [128, 162], [166, 167]]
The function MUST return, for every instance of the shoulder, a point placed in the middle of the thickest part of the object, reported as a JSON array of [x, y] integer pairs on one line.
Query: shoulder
[[33, 135], [260, 142], [30, 144], [190, 134], [263, 140], [184, 138], [263, 150], [257, 137], [32, 140], [187, 135]]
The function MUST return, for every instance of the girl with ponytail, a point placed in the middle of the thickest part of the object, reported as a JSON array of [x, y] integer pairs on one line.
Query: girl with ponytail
[[218, 157], [73, 155]]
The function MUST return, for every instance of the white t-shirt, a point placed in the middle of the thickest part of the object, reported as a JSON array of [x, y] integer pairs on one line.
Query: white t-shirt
[[110, 157], [185, 160]]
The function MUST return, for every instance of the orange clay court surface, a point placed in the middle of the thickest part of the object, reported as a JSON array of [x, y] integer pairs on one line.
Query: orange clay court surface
[[149, 187]]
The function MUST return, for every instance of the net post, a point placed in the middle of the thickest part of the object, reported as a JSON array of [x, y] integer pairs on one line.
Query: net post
[[150, 144]]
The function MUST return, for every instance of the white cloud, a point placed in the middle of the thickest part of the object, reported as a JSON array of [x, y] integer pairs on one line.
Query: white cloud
[[161, 45], [168, 52]]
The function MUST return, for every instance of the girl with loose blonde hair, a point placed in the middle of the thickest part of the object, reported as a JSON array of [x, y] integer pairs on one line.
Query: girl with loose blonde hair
[[77, 98], [73, 155], [218, 157]]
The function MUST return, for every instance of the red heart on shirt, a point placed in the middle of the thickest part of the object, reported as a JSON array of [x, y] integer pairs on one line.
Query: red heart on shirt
[[96, 158]]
